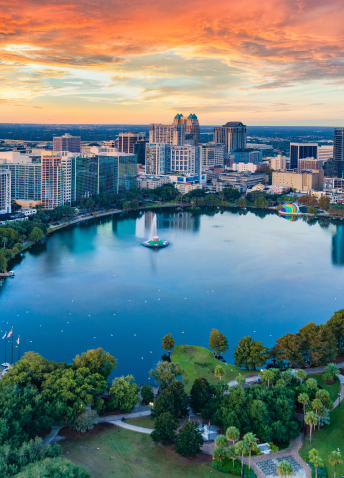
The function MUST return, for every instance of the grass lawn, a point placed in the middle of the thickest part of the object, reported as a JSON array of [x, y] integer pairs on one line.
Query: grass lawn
[[145, 422], [328, 439], [332, 389], [200, 362], [124, 454]]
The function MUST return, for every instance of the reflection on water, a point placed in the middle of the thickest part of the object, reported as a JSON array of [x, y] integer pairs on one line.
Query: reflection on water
[[290, 218], [179, 220], [338, 247]]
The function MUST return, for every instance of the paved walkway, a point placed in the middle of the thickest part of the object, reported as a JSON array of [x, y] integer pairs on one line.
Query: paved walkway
[[134, 428], [48, 439], [116, 418]]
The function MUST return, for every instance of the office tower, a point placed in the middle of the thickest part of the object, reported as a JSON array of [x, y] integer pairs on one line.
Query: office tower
[[158, 158], [173, 134], [67, 142], [186, 160], [325, 152], [125, 143], [5, 191], [52, 182], [192, 129], [338, 151], [232, 135], [212, 154], [67, 161], [108, 171], [25, 178], [278, 163], [302, 151]]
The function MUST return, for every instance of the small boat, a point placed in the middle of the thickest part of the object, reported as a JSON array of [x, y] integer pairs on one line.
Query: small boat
[[11, 273], [155, 243]]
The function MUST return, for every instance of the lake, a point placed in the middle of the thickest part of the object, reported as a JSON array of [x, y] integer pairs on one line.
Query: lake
[[245, 273]]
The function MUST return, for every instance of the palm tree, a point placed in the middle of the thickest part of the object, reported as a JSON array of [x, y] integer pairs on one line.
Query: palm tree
[[251, 440], [317, 405], [231, 454], [311, 419], [332, 370], [219, 454], [316, 460], [286, 376], [301, 375], [241, 449], [219, 371], [233, 434], [323, 395], [304, 399], [335, 458], [221, 441], [311, 383], [5, 241], [267, 375], [285, 469], [240, 379]]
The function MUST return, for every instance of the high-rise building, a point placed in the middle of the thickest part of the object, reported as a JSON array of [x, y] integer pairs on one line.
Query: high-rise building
[[25, 178], [186, 160], [278, 163], [232, 135], [107, 171], [173, 134], [338, 151], [325, 152], [302, 151], [213, 154], [125, 143], [158, 158], [67, 142], [192, 129], [52, 182], [5, 191]]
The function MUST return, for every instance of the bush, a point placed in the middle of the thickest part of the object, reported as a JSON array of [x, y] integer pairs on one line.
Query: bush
[[322, 473], [273, 448], [327, 377], [147, 394], [85, 421], [227, 467]]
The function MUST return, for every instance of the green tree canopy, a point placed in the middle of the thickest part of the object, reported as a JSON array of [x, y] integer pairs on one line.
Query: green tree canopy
[[168, 343], [165, 373], [172, 399], [200, 394], [285, 469], [165, 427], [3, 263], [219, 371], [250, 354], [218, 342], [124, 393], [336, 325], [36, 234], [53, 468], [189, 439], [97, 361]]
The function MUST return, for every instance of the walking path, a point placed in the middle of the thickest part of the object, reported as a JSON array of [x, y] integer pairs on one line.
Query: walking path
[[53, 433], [134, 428], [116, 418]]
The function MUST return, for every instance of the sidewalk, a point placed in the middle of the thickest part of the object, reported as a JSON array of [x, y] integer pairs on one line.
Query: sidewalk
[[134, 428], [116, 418]]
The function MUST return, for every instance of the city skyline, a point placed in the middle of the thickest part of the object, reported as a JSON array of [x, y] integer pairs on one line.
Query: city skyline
[[276, 62]]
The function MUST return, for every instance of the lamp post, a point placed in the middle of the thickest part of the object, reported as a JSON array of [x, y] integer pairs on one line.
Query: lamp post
[[339, 395]]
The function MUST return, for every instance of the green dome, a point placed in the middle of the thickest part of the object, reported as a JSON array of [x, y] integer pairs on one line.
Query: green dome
[[192, 116], [178, 116]]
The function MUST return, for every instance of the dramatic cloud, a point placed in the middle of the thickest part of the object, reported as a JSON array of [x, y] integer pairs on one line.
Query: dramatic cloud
[[165, 54]]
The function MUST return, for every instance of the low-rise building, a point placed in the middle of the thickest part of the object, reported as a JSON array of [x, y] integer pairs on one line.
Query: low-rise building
[[278, 163], [300, 180], [245, 167], [145, 181], [239, 181], [310, 163], [185, 188]]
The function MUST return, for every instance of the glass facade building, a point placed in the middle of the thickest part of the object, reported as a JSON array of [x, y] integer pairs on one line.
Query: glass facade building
[[25, 181], [302, 151], [338, 151]]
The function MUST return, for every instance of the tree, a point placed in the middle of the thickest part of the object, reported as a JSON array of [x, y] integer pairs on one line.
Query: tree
[[312, 210], [165, 427], [134, 204], [311, 419], [241, 448], [332, 370], [251, 441], [323, 396], [3, 263], [97, 361], [301, 375], [336, 325], [250, 354], [173, 399], [286, 376], [231, 454], [147, 394], [221, 441], [201, 393], [218, 342], [54, 468], [189, 439], [85, 421], [126, 205], [36, 234], [219, 371], [168, 343], [304, 399], [307, 200], [219, 454], [335, 458], [285, 469], [324, 202], [242, 202], [289, 346], [311, 383], [267, 376], [316, 460], [317, 405], [233, 434], [240, 379], [261, 202], [165, 373], [124, 393], [5, 241]]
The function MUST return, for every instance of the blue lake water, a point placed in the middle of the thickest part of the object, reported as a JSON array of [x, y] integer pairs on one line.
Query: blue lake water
[[94, 284]]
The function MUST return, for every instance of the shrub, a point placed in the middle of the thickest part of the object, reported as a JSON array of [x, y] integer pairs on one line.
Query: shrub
[[85, 421], [328, 377], [273, 448], [227, 467]]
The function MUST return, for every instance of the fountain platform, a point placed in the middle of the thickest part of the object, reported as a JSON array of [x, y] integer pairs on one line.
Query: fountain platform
[[155, 243]]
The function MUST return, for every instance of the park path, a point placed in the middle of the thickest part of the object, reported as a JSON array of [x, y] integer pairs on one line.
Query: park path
[[134, 428], [53, 433], [116, 418]]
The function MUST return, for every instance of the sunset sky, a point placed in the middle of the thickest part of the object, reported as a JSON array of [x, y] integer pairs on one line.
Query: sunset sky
[[268, 62]]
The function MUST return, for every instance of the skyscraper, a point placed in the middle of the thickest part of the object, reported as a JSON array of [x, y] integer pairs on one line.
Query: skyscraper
[[302, 151], [232, 135], [52, 182], [67, 142], [158, 158], [125, 143], [338, 151], [186, 160], [213, 154], [5, 191], [192, 129], [173, 134]]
